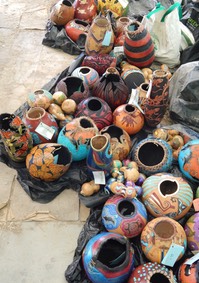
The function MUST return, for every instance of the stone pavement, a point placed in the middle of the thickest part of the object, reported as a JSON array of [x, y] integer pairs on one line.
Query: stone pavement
[[37, 241]]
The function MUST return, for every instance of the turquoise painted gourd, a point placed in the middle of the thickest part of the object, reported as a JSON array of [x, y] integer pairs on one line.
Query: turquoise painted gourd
[[76, 136], [188, 160]]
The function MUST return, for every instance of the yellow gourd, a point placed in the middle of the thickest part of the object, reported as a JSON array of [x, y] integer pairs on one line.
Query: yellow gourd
[[89, 188]]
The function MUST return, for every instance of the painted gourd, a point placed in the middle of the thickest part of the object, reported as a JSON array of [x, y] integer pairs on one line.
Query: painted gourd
[[108, 257], [125, 216], [15, 136], [152, 272], [152, 156], [167, 195], [87, 74], [97, 109], [38, 118], [48, 161], [129, 118], [189, 273], [76, 136], [120, 141], [192, 231], [158, 235], [138, 45], [99, 157], [100, 27], [188, 160]]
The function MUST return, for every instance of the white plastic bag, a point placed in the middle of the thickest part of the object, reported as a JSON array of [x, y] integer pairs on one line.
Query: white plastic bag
[[164, 27]]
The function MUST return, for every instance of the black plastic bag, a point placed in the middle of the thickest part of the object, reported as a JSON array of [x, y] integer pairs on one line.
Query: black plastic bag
[[56, 37], [190, 54], [190, 18], [184, 95]]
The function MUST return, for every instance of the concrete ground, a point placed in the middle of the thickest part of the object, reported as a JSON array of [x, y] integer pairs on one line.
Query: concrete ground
[[37, 241]]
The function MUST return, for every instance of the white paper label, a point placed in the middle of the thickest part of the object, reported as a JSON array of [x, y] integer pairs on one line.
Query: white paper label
[[118, 49], [193, 259], [149, 89], [99, 177], [172, 254], [45, 131], [124, 3], [134, 99]]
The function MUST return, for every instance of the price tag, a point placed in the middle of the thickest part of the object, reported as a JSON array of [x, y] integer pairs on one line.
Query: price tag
[[45, 131], [118, 49], [99, 177], [107, 38], [172, 255], [196, 204], [149, 89], [124, 3], [193, 259]]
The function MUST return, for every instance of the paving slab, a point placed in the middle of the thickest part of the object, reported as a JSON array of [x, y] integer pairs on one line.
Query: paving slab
[[7, 176], [10, 11], [6, 41], [65, 207], [23, 76], [51, 63], [37, 252], [34, 17]]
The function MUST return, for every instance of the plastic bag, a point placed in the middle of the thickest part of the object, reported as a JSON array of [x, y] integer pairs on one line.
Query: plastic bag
[[164, 26], [56, 37], [184, 95], [190, 54], [191, 18], [140, 8]]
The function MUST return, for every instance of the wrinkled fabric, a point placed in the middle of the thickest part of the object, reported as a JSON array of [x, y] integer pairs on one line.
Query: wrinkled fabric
[[184, 95], [190, 54], [56, 37]]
